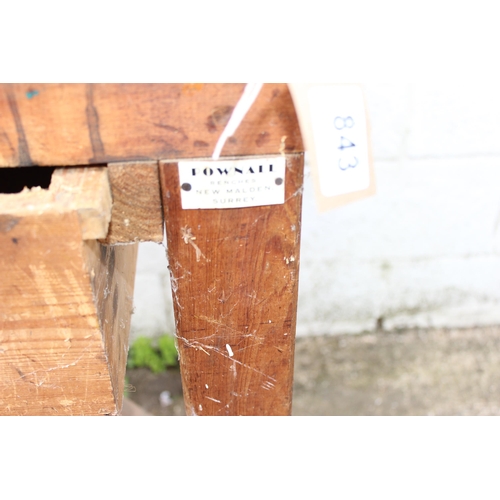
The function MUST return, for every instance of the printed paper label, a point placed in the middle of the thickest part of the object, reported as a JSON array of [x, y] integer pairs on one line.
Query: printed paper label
[[240, 183], [339, 128]]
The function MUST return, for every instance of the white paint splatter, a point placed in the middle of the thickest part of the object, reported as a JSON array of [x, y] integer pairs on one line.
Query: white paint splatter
[[229, 350]]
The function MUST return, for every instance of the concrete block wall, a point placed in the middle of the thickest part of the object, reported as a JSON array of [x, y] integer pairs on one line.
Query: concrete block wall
[[424, 251]]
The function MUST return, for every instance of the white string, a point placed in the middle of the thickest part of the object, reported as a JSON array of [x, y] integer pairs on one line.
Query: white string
[[248, 97]]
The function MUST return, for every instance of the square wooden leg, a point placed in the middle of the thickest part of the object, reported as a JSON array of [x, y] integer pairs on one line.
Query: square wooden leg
[[235, 304]]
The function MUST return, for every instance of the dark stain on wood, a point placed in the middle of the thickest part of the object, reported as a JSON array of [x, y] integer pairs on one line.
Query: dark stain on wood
[[111, 262], [219, 118], [221, 115], [102, 252], [115, 303], [4, 138], [262, 139], [8, 222], [22, 143], [200, 144], [211, 125], [98, 150], [93, 125], [174, 130], [167, 148], [108, 260]]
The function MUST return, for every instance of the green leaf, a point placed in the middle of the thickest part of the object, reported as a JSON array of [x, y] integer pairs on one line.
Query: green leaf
[[143, 354], [168, 351]]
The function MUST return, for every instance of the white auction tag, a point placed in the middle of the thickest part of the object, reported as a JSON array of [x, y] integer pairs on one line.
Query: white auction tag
[[335, 130], [248, 182], [339, 128]]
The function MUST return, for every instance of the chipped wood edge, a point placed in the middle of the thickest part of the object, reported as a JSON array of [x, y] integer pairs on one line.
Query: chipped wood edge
[[85, 190]]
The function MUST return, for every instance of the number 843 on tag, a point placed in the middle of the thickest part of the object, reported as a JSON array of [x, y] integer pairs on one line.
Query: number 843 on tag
[[339, 126]]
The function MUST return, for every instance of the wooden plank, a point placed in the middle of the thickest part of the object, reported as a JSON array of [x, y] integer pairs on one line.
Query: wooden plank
[[112, 273], [88, 192], [89, 124], [58, 356], [235, 305], [51, 353], [85, 191], [13, 150], [136, 213]]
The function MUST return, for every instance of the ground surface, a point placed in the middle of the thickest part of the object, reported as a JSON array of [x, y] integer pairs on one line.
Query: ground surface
[[416, 372]]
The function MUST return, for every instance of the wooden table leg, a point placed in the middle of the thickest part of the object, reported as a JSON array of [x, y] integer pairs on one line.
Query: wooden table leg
[[235, 290]]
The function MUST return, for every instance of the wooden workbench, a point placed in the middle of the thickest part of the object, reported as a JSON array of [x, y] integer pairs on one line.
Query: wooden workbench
[[98, 163]]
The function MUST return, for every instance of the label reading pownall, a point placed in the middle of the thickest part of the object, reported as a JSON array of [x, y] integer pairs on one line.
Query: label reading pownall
[[250, 182]]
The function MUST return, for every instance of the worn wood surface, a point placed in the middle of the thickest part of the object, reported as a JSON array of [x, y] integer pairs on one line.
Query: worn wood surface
[[235, 307], [112, 273], [58, 356], [88, 192], [85, 191], [88, 124], [137, 213], [66, 298]]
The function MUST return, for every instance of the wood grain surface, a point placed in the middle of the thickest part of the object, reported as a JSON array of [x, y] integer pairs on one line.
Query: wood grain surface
[[63, 325], [85, 191], [52, 359], [112, 274], [89, 124], [235, 305], [136, 214], [66, 299]]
